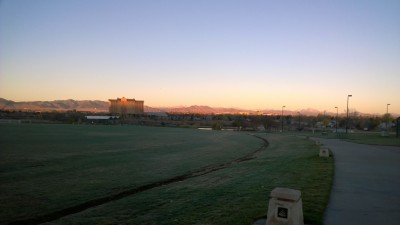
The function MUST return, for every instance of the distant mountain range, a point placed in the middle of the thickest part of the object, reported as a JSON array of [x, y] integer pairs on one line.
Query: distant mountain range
[[102, 106], [58, 105]]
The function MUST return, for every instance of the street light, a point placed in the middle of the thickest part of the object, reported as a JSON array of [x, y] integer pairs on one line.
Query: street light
[[337, 112], [347, 121], [387, 115], [282, 117]]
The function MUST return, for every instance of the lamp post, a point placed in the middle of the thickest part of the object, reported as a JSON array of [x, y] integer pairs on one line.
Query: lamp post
[[337, 112], [347, 120], [387, 115], [282, 118]]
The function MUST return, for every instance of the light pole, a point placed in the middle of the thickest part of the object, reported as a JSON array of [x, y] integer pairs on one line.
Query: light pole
[[347, 120], [387, 115], [337, 112], [282, 118]]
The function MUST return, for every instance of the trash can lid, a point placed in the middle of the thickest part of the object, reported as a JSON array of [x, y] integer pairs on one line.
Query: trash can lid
[[286, 193]]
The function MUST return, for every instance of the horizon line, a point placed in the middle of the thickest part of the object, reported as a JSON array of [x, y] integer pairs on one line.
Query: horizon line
[[293, 111]]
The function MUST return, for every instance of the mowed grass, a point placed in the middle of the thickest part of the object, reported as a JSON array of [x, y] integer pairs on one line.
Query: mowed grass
[[371, 138], [44, 168], [236, 195], [49, 167]]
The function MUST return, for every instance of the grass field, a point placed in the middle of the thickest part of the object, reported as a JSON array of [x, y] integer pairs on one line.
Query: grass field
[[372, 138], [45, 168]]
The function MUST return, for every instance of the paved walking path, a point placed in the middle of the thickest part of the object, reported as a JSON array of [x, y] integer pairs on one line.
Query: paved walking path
[[366, 186]]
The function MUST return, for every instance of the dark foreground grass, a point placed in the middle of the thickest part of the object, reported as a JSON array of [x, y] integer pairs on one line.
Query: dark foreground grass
[[50, 167], [235, 195], [44, 168]]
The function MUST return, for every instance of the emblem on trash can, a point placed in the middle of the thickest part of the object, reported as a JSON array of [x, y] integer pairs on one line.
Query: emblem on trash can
[[282, 212]]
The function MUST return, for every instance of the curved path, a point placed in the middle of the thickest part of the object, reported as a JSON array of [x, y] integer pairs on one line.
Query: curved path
[[366, 185]]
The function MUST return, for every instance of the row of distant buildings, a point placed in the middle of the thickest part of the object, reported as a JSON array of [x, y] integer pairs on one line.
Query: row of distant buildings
[[125, 107]]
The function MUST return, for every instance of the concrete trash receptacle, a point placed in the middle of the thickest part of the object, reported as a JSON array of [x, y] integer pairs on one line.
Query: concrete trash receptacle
[[285, 207]]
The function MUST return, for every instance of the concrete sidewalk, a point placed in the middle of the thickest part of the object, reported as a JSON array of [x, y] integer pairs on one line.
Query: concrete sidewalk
[[366, 186]]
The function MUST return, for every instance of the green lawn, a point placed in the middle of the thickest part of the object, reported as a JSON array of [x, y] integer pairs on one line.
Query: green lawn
[[44, 168], [372, 138]]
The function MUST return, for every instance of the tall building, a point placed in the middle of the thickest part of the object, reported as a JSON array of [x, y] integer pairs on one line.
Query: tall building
[[125, 107]]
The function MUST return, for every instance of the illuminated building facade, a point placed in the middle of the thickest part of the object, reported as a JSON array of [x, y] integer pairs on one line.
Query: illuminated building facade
[[125, 107]]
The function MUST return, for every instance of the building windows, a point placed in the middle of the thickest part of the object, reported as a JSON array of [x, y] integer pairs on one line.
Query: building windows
[[125, 107]]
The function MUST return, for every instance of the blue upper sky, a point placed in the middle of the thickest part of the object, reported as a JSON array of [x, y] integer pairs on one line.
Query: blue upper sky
[[246, 54]]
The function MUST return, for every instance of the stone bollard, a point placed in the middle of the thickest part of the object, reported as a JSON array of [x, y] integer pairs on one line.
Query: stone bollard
[[323, 152], [285, 207]]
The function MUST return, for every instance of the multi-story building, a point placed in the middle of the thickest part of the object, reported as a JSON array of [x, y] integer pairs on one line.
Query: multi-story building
[[125, 107]]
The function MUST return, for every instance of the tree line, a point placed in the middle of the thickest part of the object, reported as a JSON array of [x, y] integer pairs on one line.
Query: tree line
[[219, 121]]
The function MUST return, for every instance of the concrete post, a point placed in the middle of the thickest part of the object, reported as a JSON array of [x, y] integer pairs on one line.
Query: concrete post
[[285, 207]]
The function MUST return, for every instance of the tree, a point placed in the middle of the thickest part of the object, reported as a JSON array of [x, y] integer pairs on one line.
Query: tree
[[217, 126], [387, 118], [256, 121], [268, 123]]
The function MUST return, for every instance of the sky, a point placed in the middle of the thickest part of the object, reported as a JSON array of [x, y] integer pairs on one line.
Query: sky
[[257, 54]]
